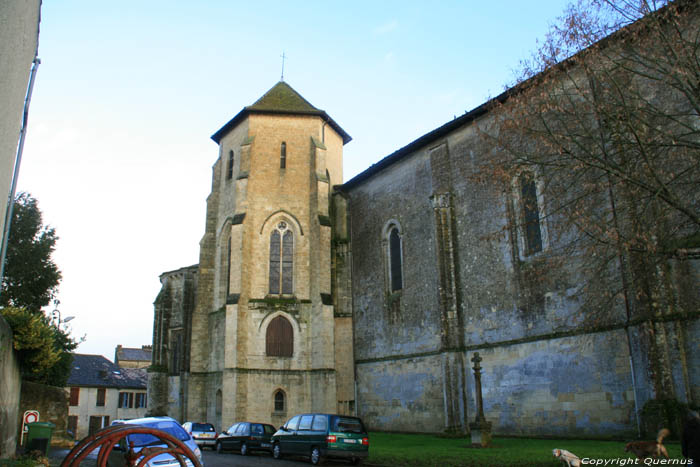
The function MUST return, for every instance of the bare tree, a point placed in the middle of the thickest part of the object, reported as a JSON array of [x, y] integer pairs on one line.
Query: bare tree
[[598, 145], [612, 133]]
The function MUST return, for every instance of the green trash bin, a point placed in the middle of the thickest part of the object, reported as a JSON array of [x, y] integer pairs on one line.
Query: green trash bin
[[39, 437]]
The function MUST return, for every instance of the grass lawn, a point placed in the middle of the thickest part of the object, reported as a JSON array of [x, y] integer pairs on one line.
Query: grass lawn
[[390, 449]]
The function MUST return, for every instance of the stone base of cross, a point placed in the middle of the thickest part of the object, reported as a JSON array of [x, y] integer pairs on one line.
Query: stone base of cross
[[480, 434]]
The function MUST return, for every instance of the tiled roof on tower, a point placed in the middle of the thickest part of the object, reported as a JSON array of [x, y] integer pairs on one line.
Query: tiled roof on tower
[[280, 99]]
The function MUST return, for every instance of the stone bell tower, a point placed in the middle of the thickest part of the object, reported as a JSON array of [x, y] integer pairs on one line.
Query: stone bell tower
[[267, 340]]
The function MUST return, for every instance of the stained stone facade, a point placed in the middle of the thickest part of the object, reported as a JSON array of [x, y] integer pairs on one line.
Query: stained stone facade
[[370, 297]]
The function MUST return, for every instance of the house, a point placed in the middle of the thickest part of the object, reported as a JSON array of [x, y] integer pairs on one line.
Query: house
[[125, 357], [100, 392]]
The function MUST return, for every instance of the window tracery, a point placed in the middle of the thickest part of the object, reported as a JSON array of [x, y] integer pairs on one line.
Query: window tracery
[[281, 260]]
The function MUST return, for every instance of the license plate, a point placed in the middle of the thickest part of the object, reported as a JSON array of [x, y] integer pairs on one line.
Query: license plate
[[206, 435], [350, 441], [265, 445]]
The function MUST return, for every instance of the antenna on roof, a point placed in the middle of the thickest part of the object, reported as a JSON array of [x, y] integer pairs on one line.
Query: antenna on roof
[[283, 57]]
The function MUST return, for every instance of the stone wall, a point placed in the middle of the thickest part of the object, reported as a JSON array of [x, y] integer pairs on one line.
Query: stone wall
[[52, 404], [10, 385], [550, 368], [574, 386], [172, 327]]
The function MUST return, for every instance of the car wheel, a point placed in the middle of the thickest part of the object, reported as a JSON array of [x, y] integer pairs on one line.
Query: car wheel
[[316, 458], [244, 449], [277, 451], [219, 448]]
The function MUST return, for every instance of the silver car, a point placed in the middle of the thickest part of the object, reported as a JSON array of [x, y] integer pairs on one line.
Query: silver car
[[117, 458], [203, 434]]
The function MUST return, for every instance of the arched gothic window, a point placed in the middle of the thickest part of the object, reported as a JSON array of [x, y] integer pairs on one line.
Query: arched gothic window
[[530, 214], [283, 155], [279, 338], [281, 260], [395, 260], [229, 167], [279, 401]]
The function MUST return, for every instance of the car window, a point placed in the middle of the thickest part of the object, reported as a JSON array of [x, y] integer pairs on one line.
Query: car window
[[172, 428], [232, 429], [320, 423], [293, 423], [202, 427], [305, 422], [257, 429], [269, 429], [242, 429], [348, 425]]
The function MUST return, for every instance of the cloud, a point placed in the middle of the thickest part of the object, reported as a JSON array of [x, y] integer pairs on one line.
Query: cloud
[[386, 28]]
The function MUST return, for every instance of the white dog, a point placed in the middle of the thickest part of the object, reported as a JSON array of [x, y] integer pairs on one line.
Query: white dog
[[566, 457]]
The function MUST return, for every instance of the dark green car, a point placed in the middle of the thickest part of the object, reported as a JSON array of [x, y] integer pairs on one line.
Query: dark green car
[[245, 437], [320, 436]]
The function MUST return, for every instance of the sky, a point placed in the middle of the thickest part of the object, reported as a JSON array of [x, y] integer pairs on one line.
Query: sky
[[118, 150]]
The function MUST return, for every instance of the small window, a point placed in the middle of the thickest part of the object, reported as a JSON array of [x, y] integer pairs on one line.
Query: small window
[[279, 401], [283, 156], [320, 423], [279, 338], [141, 400], [74, 397], [123, 400], [101, 396], [229, 167]]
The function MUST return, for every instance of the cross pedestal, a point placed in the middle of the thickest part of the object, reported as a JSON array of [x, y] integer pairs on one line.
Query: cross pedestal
[[480, 429]]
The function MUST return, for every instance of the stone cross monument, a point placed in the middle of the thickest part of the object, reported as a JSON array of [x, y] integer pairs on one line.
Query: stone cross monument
[[480, 429]]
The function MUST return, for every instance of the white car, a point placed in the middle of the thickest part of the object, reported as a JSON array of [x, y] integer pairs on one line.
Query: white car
[[203, 434], [141, 440]]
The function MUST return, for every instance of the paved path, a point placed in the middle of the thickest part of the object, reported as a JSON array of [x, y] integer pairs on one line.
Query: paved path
[[211, 459]]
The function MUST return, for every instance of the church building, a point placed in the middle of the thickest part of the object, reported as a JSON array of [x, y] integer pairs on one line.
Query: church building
[[372, 296]]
